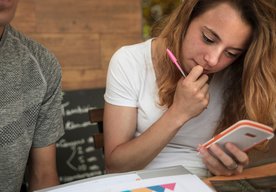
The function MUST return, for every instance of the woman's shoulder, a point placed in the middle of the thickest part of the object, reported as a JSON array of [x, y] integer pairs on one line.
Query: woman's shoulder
[[135, 50], [134, 56]]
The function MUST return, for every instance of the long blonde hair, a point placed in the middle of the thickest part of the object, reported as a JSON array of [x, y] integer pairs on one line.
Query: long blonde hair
[[252, 95]]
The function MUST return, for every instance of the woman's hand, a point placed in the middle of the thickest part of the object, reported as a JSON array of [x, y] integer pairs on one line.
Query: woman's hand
[[220, 163], [191, 95]]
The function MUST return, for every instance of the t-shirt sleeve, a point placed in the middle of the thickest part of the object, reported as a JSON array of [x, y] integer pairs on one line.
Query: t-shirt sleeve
[[49, 127], [122, 83]]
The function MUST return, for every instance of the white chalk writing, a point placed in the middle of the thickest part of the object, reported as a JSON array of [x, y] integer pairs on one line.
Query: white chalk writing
[[62, 143], [70, 125]]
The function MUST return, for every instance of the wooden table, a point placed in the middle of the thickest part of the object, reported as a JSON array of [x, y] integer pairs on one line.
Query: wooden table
[[254, 172]]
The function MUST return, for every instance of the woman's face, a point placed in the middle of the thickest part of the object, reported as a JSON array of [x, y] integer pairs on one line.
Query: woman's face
[[215, 39]]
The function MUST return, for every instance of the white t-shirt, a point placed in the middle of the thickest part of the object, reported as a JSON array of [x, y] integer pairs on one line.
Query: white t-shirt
[[131, 82]]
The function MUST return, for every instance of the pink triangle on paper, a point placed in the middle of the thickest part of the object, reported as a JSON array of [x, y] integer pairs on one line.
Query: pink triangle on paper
[[169, 186]]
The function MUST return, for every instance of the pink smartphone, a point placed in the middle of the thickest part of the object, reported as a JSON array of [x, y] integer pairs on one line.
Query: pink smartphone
[[245, 134]]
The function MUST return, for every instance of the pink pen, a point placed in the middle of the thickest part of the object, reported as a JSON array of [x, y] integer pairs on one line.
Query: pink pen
[[174, 60]]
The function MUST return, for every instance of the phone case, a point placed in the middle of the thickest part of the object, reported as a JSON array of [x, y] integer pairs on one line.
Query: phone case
[[245, 134]]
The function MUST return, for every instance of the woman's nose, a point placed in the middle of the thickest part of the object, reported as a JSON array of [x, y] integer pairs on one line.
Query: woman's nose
[[212, 57]]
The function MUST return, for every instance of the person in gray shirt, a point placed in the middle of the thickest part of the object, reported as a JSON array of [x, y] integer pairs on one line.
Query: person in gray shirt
[[30, 108]]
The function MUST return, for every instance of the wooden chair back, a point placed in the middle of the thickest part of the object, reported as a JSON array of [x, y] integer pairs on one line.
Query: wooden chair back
[[96, 116]]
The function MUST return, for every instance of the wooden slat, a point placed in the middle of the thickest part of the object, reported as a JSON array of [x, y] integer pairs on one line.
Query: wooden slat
[[88, 16], [74, 51], [83, 35], [25, 17], [255, 172], [83, 79], [98, 140], [96, 115]]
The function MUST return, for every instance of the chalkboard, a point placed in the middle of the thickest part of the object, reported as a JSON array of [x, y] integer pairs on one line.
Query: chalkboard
[[76, 156]]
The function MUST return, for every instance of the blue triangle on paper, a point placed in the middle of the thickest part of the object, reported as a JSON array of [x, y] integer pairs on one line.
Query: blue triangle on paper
[[157, 188]]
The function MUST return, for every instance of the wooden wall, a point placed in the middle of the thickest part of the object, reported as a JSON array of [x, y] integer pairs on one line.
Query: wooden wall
[[83, 34]]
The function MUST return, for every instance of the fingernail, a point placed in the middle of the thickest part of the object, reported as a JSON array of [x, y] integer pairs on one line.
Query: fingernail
[[198, 147]]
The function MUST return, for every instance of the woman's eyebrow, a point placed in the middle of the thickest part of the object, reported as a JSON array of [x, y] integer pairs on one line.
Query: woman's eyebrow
[[237, 49], [211, 31]]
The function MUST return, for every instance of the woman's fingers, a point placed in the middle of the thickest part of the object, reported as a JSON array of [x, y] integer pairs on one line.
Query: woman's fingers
[[221, 163], [195, 73], [240, 156], [213, 164], [192, 93]]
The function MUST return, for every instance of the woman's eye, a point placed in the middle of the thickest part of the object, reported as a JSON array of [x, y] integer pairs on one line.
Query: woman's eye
[[231, 55], [207, 39]]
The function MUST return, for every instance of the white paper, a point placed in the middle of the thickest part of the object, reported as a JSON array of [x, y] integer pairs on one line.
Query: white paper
[[101, 184], [183, 183], [129, 182]]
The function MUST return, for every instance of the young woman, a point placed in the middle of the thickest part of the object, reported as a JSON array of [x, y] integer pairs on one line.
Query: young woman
[[154, 117]]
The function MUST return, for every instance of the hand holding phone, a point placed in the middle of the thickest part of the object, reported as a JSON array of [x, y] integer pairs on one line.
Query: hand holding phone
[[245, 134]]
